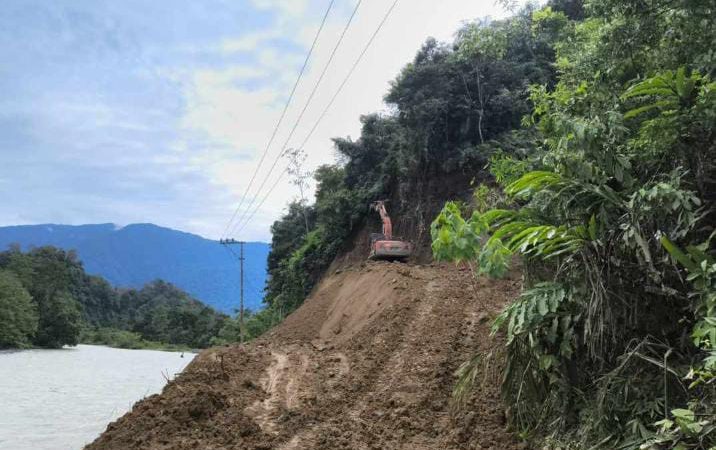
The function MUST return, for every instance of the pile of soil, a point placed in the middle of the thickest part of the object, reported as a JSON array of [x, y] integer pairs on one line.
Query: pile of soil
[[368, 362]]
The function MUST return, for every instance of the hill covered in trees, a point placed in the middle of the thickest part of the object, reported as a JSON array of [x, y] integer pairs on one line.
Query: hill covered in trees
[[47, 300], [137, 254], [579, 137], [455, 107]]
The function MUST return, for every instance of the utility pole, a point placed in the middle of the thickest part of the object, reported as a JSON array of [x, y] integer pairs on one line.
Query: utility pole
[[227, 243], [241, 307]]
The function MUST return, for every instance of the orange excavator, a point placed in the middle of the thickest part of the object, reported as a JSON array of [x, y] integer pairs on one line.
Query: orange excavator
[[382, 245]]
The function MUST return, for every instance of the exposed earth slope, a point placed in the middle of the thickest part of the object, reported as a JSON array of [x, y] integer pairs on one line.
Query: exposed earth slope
[[367, 362]]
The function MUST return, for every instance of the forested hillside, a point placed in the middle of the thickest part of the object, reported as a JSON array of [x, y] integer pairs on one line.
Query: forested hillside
[[137, 254], [455, 106], [47, 300], [579, 139]]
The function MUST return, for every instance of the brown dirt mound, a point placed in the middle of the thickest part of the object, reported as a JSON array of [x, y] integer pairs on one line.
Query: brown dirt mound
[[367, 362]]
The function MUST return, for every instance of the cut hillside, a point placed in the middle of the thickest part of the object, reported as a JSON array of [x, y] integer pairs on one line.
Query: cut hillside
[[367, 362]]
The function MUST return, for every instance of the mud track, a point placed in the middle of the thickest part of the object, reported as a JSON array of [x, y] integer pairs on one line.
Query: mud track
[[367, 362]]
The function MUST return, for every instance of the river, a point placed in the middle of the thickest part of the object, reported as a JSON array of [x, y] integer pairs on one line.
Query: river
[[63, 399]]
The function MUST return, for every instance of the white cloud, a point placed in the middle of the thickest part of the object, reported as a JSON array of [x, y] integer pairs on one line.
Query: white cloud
[[250, 41], [290, 8]]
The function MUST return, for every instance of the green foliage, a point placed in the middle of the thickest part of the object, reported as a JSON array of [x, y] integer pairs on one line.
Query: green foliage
[[113, 337], [60, 321], [255, 324], [454, 238], [67, 306], [541, 340], [505, 168], [617, 153], [694, 427], [671, 91], [595, 345], [701, 268], [48, 275], [164, 313], [18, 317], [684, 431]]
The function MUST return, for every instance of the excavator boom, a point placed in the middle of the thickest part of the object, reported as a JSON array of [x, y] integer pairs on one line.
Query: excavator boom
[[387, 224]]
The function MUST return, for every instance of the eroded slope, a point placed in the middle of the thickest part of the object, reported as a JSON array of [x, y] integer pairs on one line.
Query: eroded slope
[[367, 362]]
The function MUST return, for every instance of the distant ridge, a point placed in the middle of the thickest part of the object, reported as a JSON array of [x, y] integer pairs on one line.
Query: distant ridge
[[135, 254]]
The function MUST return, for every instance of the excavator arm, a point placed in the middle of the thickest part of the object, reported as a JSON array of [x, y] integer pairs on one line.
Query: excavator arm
[[387, 224]]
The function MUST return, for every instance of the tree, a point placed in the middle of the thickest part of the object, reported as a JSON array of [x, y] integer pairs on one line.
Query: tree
[[300, 177], [18, 317], [60, 321]]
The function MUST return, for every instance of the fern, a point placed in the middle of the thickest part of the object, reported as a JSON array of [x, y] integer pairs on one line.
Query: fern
[[672, 90]]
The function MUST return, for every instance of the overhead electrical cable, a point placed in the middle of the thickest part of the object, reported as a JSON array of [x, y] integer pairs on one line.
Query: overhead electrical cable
[[300, 116], [350, 73], [263, 200], [328, 106], [280, 120]]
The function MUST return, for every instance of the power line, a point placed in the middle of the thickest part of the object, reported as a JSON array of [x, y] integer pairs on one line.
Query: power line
[[350, 73], [280, 120], [300, 116], [263, 200], [330, 103]]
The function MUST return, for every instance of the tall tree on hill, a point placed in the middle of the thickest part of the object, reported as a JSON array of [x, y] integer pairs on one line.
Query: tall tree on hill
[[60, 321], [300, 177]]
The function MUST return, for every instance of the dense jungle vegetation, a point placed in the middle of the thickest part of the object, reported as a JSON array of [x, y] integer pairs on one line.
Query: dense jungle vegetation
[[47, 300], [611, 344], [588, 131]]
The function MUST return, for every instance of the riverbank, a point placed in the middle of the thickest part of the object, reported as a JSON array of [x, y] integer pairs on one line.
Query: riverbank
[[128, 340], [63, 399], [113, 338]]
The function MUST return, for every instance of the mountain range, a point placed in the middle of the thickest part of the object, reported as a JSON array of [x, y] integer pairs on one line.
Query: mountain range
[[136, 254]]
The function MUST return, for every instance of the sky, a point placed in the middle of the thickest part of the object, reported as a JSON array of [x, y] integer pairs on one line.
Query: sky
[[159, 111]]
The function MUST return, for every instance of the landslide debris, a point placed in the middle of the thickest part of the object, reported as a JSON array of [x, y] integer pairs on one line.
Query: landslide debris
[[367, 362]]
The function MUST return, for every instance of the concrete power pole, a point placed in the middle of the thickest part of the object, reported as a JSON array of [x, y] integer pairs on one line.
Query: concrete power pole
[[228, 242]]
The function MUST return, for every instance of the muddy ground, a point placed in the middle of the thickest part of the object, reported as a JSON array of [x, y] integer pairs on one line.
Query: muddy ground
[[368, 362]]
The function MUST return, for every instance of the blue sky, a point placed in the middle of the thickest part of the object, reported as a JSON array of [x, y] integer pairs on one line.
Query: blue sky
[[158, 111]]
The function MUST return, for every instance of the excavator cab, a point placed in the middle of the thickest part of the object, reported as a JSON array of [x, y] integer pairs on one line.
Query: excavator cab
[[382, 245]]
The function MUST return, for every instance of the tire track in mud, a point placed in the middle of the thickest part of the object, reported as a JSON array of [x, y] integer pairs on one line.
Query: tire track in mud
[[265, 411], [405, 372], [395, 378]]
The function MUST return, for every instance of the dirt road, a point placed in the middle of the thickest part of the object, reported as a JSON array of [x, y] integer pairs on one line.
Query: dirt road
[[367, 362]]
